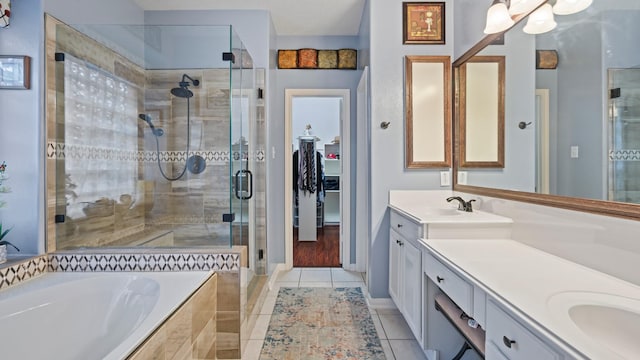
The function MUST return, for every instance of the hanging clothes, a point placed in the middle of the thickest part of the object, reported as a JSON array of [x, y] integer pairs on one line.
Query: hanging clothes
[[307, 179], [318, 175]]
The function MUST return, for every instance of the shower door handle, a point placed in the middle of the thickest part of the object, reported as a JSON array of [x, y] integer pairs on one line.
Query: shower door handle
[[244, 184]]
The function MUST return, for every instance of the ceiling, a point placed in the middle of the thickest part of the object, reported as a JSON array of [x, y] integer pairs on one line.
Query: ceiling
[[290, 17]]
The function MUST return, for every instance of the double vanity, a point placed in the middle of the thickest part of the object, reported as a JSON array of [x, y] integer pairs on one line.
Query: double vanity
[[526, 303]]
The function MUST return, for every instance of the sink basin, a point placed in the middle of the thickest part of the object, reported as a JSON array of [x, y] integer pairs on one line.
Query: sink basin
[[607, 322]]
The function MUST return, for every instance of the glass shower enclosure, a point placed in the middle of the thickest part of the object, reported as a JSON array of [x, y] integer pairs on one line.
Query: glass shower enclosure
[[624, 142], [156, 140]]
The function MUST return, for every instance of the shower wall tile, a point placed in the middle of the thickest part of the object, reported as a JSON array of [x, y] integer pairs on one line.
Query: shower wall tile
[[190, 332], [21, 271]]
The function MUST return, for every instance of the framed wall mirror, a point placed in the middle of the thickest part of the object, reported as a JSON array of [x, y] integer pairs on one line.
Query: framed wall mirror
[[481, 106], [427, 112], [579, 148]]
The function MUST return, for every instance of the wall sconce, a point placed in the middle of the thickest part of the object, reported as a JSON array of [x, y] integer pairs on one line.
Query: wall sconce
[[498, 18], [568, 7], [540, 21]]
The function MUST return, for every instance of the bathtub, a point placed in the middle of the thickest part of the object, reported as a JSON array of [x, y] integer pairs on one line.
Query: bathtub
[[86, 316]]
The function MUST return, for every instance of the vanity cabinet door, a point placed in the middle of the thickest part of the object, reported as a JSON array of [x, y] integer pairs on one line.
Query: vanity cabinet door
[[395, 263], [412, 289]]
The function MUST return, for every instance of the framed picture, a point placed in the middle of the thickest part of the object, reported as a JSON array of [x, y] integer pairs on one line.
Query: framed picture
[[15, 72], [423, 23]]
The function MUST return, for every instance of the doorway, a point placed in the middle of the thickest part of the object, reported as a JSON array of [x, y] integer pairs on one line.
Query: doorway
[[316, 228]]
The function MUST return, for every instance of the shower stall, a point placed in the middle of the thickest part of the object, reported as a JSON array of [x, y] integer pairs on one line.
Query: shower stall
[[624, 142], [155, 138]]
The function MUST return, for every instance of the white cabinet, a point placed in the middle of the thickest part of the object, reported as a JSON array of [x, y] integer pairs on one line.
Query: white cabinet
[[405, 271], [511, 340], [456, 287], [405, 281], [332, 170], [412, 288], [395, 263]]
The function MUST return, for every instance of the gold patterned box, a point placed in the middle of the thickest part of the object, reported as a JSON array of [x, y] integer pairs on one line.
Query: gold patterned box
[[308, 58], [287, 59], [347, 59], [327, 59]]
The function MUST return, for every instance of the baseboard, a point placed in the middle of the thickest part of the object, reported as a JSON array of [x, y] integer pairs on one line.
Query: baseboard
[[380, 303], [431, 354], [274, 275]]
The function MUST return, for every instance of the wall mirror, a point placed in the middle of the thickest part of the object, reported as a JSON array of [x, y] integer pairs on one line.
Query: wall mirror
[[572, 133], [427, 112], [481, 105]]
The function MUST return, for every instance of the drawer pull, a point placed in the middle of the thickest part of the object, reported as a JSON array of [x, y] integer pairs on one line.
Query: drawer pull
[[440, 279], [399, 226], [508, 342], [398, 242]]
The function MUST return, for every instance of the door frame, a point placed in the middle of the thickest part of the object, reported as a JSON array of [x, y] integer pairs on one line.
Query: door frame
[[345, 166]]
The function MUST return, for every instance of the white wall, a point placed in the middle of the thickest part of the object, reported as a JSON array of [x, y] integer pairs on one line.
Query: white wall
[[468, 30], [22, 134], [251, 26], [94, 12], [387, 146], [323, 114], [301, 79]]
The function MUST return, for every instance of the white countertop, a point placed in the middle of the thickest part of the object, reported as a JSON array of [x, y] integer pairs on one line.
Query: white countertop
[[528, 279], [431, 207]]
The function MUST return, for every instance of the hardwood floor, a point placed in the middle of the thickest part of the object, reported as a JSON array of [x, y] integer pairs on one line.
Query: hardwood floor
[[325, 252]]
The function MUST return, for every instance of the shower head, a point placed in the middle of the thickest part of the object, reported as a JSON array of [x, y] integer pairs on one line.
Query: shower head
[[147, 118], [182, 91]]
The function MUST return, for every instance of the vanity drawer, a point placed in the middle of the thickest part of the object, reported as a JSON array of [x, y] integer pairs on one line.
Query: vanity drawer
[[404, 226], [460, 291], [512, 339]]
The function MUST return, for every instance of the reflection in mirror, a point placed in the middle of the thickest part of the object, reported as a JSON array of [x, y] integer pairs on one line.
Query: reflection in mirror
[[428, 112], [482, 112], [584, 135]]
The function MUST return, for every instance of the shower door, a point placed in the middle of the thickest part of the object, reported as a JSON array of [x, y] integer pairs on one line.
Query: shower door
[[624, 141], [246, 166]]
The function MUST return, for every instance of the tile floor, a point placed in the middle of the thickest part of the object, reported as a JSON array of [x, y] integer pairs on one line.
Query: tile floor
[[396, 337]]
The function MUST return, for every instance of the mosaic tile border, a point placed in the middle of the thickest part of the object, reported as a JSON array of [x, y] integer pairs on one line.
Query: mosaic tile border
[[56, 150], [26, 270], [144, 262], [624, 155], [13, 275]]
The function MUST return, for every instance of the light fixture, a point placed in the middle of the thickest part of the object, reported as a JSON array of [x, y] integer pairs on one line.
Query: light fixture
[[498, 18], [568, 7], [523, 6], [540, 21]]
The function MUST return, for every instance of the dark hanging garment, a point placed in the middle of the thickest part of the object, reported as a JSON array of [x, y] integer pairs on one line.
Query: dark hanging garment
[[319, 176], [307, 167]]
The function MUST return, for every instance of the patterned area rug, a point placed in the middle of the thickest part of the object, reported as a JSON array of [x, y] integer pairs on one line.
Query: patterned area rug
[[321, 324]]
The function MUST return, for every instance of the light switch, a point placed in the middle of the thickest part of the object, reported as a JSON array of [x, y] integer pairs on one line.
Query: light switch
[[445, 179], [462, 177], [574, 152]]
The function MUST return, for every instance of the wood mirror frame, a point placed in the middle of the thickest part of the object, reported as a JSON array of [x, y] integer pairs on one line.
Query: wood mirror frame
[[428, 112], [493, 91], [601, 207]]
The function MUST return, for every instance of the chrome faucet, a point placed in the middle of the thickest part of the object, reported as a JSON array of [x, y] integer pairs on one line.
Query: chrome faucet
[[462, 205]]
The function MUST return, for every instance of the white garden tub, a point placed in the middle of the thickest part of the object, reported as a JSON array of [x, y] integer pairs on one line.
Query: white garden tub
[[89, 315]]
